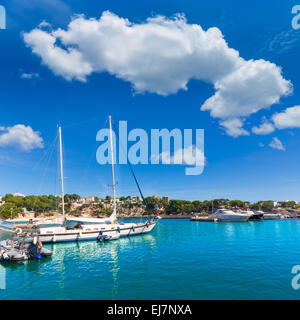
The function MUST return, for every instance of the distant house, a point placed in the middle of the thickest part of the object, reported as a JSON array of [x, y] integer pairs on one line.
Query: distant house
[[155, 196], [165, 198], [275, 204], [133, 199], [19, 195], [89, 200]]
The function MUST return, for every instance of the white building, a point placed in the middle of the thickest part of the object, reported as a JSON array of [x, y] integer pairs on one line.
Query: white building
[[165, 198], [19, 195], [275, 204], [89, 200], [133, 199]]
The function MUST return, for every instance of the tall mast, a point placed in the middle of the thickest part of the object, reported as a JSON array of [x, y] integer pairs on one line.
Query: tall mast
[[112, 165], [61, 174]]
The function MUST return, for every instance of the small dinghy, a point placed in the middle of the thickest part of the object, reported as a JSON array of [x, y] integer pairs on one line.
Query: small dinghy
[[16, 250]]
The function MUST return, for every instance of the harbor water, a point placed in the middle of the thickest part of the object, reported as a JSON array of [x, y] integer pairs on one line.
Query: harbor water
[[178, 260]]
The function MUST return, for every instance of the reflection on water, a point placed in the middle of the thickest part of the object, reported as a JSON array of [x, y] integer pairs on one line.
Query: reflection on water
[[178, 260]]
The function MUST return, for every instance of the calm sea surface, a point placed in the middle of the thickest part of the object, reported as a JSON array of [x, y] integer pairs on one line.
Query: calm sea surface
[[178, 260]]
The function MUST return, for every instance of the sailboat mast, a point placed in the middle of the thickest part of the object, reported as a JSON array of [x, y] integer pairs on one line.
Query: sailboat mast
[[61, 174], [112, 164]]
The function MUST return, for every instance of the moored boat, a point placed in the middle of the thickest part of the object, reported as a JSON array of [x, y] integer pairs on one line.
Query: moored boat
[[16, 250], [226, 215], [82, 229], [256, 215]]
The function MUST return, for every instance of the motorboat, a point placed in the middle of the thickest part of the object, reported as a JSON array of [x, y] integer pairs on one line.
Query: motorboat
[[226, 215], [256, 215], [17, 250]]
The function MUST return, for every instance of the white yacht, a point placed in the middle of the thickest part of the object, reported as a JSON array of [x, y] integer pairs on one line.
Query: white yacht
[[58, 230], [254, 215], [226, 215]]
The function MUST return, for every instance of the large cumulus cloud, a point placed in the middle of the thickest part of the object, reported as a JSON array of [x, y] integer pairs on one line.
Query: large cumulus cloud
[[161, 56]]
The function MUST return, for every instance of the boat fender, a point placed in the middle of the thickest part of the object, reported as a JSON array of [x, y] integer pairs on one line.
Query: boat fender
[[216, 220], [5, 256], [34, 240], [119, 230], [133, 229], [18, 231], [39, 246]]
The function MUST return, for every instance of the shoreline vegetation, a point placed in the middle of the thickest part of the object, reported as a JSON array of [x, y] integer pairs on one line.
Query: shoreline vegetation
[[16, 208]]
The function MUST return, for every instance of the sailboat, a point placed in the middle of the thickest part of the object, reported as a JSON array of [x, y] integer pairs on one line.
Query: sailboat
[[95, 229], [124, 229]]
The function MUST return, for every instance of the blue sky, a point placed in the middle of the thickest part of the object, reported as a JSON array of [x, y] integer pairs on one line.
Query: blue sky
[[237, 167]]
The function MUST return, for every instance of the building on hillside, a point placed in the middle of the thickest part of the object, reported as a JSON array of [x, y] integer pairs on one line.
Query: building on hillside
[[133, 199], [80, 201], [19, 195], [275, 204], [155, 196], [89, 200], [165, 198]]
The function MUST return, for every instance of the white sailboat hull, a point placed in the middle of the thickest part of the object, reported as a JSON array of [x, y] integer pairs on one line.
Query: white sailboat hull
[[61, 234]]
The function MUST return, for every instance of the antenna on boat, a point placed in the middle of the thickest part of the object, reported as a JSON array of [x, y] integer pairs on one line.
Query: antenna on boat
[[112, 168], [61, 173]]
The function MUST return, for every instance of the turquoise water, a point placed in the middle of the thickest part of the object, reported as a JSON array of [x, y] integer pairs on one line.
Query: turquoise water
[[178, 260]]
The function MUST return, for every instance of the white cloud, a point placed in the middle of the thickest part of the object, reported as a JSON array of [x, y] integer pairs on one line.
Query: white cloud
[[234, 127], [29, 76], [289, 118], [276, 144], [252, 86], [21, 137], [265, 128], [187, 156], [161, 56]]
